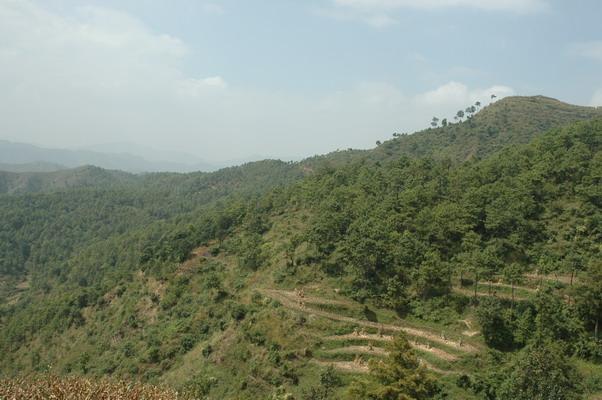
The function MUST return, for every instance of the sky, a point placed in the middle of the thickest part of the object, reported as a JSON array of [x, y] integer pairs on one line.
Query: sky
[[236, 79]]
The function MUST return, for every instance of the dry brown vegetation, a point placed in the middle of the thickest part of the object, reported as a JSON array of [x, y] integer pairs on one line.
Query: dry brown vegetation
[[72, 388]]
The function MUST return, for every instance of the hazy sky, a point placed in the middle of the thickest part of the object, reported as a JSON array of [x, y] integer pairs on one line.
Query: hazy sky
[[281, 78]]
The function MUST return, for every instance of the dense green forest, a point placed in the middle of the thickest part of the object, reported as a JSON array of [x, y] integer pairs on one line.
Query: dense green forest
[[461, 262]]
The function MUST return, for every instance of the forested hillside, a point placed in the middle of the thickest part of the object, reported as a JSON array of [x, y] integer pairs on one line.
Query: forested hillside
[[75, 209], [36, 182], [256, 176], [462, 262]]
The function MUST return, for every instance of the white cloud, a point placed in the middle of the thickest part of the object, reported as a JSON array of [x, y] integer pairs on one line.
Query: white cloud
[[591, 49], [103, 76], [367, 96], [597, 99], [518, 6], [380, 21], [451, 92], [213, 8], [375, 19], [198, 87], [100, 50], [458, 94], [216, 81], [381, 13]]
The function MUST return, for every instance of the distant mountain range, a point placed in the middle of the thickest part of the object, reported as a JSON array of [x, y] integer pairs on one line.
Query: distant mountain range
[[39, 166], [22, 157]]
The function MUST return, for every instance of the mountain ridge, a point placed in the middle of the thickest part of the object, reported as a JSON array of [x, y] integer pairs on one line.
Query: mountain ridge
[[511, 120], [23, 153]]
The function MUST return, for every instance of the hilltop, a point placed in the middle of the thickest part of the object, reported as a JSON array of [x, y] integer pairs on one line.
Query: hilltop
[[509, 121]]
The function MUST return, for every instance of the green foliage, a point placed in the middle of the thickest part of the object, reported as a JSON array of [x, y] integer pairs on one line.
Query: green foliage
[[496, 326], [250, 253], [513, 274], [432, 278], [329, 381], [540, 372], [399, 376], [588, 298], [396, 295], [413, 220], [554, 320], [200, 386]]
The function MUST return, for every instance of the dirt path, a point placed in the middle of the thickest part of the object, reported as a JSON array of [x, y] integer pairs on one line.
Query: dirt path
[[442, 354], [363, 336], [346, 366], [296, 304], [361, 367], [379, 351], [470, 332], [505, 285], [312, 299], [431, 367], [470, 293], [559, 278]]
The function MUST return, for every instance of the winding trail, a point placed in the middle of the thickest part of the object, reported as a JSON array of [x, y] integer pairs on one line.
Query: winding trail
[[505, 285], [469, 332], [442, 354], [555, 278], [361, 366], [312, 299], [379, 351], [346, 366], [292, 301], [470, 293], [364, 336]]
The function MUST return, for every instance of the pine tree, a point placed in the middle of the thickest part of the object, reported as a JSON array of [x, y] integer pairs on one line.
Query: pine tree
[[398, 377], [540, 372]]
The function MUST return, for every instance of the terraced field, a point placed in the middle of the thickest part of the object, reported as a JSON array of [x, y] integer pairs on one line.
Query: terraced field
[[368, 339]]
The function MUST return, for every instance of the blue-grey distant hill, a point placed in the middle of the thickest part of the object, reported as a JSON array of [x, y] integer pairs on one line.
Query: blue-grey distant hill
[[22, 157], [38, 166]]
